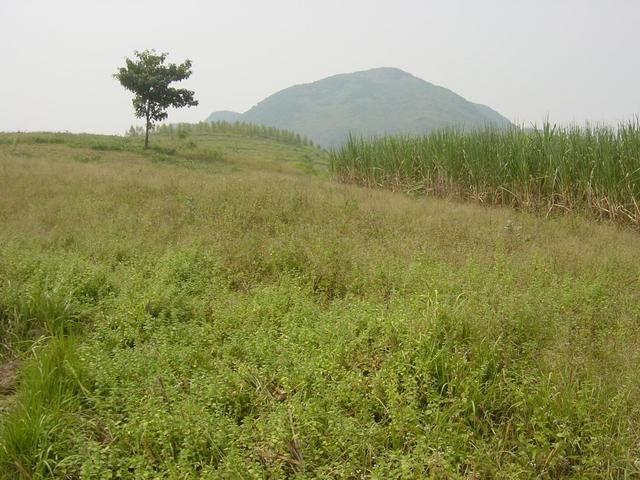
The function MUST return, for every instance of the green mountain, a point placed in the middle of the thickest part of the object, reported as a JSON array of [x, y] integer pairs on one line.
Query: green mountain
[[371, 102]]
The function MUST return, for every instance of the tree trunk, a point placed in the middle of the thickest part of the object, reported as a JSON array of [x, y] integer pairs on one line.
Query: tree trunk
[[146, 133]]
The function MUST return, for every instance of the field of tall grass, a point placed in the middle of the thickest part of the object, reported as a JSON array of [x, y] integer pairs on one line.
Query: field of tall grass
[[592, 170], [241, 319]]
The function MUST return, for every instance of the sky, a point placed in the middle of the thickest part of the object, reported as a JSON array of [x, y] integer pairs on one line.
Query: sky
[[571, 61]]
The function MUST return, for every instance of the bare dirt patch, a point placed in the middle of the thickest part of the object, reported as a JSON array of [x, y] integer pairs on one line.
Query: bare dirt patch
[[8, 381]]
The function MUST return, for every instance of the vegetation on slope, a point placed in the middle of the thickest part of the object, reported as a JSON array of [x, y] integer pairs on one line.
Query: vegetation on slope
[[590, 170], [372, 102], [244, 129], [220, 146], [179, 323]]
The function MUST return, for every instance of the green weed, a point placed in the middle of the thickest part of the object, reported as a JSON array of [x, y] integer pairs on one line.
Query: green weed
[[172, 323]]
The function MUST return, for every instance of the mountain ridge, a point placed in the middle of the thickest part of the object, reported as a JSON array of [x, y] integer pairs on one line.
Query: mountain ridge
[[224, 116]]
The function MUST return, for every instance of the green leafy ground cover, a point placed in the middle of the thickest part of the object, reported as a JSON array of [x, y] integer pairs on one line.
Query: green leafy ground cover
[[240, 319]]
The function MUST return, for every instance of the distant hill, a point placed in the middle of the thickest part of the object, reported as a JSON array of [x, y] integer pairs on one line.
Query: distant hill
[[224, 116], [371, 102]]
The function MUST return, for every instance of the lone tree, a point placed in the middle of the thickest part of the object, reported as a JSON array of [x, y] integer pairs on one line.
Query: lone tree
[[149, 78]]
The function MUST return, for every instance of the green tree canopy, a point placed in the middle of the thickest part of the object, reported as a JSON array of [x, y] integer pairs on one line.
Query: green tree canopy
[[149, 78]]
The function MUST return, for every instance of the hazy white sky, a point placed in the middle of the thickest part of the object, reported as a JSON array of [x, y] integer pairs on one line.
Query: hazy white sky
[[573, 60]]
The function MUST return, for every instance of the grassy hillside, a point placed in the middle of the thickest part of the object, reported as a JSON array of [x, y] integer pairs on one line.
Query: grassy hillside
[[221, 147], [594, 171], [245, 130], [372, 102], [165, 316]]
